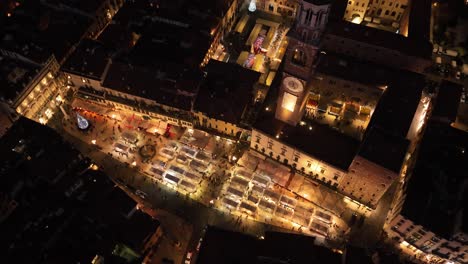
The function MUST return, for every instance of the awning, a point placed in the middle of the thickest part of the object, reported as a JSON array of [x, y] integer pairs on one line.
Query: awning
[[312, 103]]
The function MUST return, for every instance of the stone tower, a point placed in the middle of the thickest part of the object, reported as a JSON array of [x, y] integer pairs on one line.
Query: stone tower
[[311, 19]]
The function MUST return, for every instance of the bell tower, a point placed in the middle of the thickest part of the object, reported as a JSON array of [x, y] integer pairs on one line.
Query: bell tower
[[311, 19], [304, 37]]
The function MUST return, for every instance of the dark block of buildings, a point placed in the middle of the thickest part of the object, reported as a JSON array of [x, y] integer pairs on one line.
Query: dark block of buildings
[[222, 246], [437, 192], [56, 209]]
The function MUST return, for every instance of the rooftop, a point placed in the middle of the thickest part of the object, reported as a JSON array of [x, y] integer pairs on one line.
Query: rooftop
[[274, 248], [407, 45], [448, 99], [226, 91], [33, 28], [420, 19], [151, 84], [322, 142], [166, 44], [395, 110], [352, 69], [433, 198], [383, 149], [15, 75], [89, 59], [169, 34]]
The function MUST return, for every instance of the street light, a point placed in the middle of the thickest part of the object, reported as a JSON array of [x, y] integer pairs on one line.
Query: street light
[[134, 163], [93, 142]]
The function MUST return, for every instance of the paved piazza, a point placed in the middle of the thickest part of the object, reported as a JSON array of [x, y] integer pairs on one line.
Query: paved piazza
[[202, 167]]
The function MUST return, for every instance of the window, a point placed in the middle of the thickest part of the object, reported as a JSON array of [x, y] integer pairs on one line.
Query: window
[[390, 4], [393, 13], [387, 12], [299, 57], [283, 151], [397, 5], [296, 158], [309, 164], [336, 176], [257, 139], [350, 2], [271, 8], [270, 145], [322, 170]]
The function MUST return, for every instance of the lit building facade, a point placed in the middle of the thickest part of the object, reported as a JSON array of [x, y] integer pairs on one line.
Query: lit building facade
[[93, 92], [216, 125], [383, 14], [273, 147], [363, 183], [284, 8], [39, 99], [222, 28]]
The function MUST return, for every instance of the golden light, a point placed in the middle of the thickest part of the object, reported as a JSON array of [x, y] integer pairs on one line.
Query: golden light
[[289, 102], [93, 142], [134, 163], [94, 167], [234, 158], [356, 20]]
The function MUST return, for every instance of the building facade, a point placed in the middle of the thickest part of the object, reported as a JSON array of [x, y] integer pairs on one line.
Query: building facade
[[391, 15], [42, 95], [222, 28]]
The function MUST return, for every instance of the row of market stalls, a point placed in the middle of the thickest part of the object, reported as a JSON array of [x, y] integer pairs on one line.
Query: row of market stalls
[[180, 166], [254, 193], [350, 109]]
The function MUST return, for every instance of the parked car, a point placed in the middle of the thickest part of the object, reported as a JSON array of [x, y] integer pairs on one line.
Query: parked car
[[142, 194]]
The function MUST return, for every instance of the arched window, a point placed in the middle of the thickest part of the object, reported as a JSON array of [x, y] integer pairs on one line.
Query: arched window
[[379, 11], [299, 57]]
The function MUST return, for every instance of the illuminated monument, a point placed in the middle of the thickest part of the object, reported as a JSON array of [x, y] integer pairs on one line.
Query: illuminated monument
[[302, 50], [291, 100], [82, 122]]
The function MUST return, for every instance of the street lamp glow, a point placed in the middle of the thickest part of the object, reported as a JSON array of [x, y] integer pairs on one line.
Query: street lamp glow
[[252, 6], [234, 158], [134, 163], [93, 142]]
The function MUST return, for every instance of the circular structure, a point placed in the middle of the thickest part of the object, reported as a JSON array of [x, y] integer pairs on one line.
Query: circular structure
[[82, 122], [293, 85], [147, 151]]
